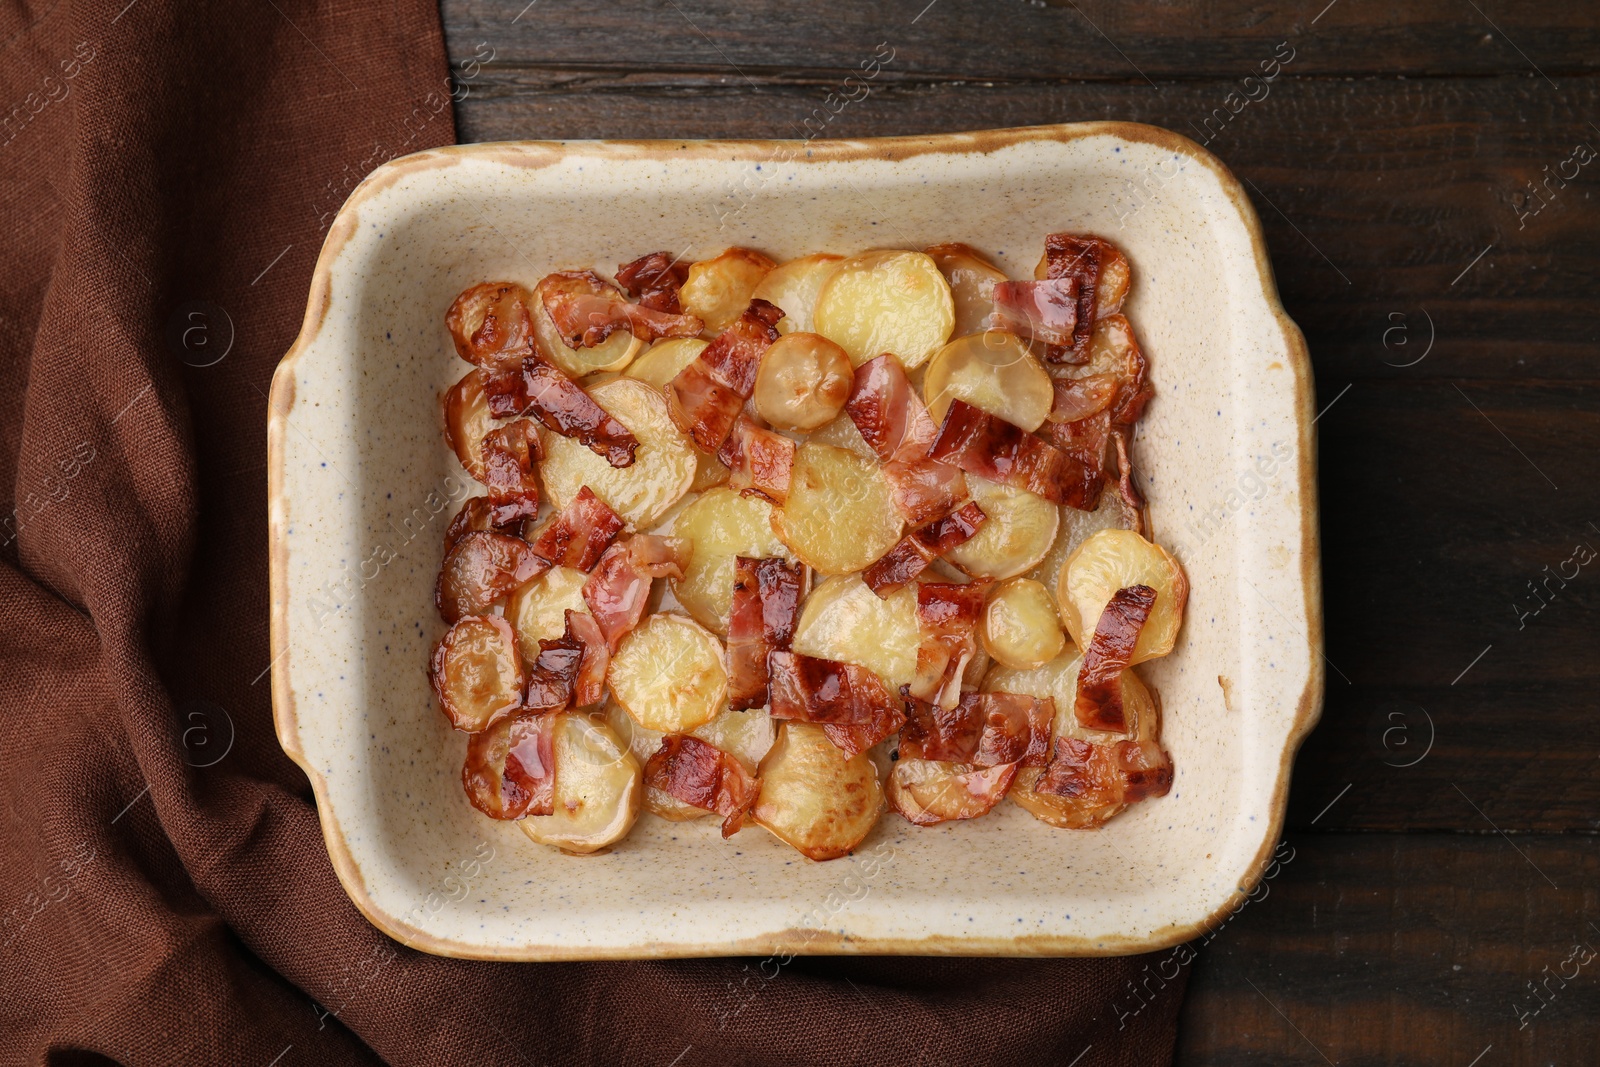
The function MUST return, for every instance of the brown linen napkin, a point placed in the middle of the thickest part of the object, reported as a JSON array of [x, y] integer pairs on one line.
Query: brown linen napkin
[[169, 173]]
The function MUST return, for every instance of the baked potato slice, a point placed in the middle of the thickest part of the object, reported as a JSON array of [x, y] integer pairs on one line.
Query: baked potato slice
[[886, 300], [1019, 530], [661, 362], [793, 287], [840, 513], [993, 371], [721, 525], [668, 674], [1112, 513], [1117, 559], [1020, 627], [972, 280], [843, 619], [598, 791], [813, 798], [538, 609], [719, 289]]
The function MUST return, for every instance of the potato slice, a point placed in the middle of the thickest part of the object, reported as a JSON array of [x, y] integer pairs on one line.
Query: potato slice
[[643, 743], [1112, 513], [843, 619], [1116, 559], [538, 609], [1019, 531], [467, 419], [886, 301], [812, 797], [612, 354], [718, 290], [1020, 627], [662, 361], [927, 792], [477, 673], [668, 674], [722, 525], [842, 433], [972, 280], [793, 287], [744, 735], [599, 787], [840, 515], [993, 371], [663, 467], [803, 381]]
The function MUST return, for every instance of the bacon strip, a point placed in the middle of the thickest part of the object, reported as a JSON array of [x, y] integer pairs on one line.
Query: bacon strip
[[984, 729], [618, 592], [1123, 772], [762, 619], [586, 309], [760, 461], [1125, 486], [896, 425], [491, 325], [981, 444], [1044, 311], [852, 703], [947, 614], [707, 395], [914, 552], [1078, 258], [704, 776], [482, 567], [511, 457], [1099, 698], [541, 390], [654, 281], [510, 769], [579, 533], [553, 675], [474, 515]]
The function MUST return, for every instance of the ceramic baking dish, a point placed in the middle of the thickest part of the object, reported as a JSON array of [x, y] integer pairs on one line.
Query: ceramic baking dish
[[362, 487]]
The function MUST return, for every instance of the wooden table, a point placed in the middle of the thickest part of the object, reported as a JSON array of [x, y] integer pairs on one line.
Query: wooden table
[[1443, 815]]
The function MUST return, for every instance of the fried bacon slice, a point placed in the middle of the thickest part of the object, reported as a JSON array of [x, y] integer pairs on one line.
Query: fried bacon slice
[[491, 325], [541, 390], [578, 534], [707, 396], [476, 672], [981, 444], [1099, 698], [586, 309], [475, 514], [893, 421], [762, 619], [1045, 311], [511, 457], [914, 552], [618, 591], [511, 767], [852, 703], [1122, 772], [1078, 258], [654, 281], [570, 670], [482, 567], [704, 776], [1079, 398], [928, 793], [1125, 486], [984, 729], [947, 614], [760, 461]]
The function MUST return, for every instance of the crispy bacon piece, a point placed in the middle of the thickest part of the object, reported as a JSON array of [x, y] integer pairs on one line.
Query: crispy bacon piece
[[586, 309], [981, 444], [947, 614], [704, 776], [707, 396], [759, 460], [481, 568], [570, 670], [474, 515], [578, 534], [984, 729], [764, 613], [541, 390], [654, 281], [1123, 772], [924, 490], [511, 767], [1099, 698], [511, 457], [618, 592], [491, 325], [914, 552], [851, 702], [1044, 311], [896, 425], [1078, 258]]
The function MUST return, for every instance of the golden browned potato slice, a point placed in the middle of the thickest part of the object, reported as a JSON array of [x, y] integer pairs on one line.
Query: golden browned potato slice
[[747, 736], [1112, 513], [843, 619], [886, 301], [663, 466], [538, 609], [1020, 628], [718, 290], [840, 514], [993, 371], [1019, 530], [721, 525], [744, 735], [793, 287], [668, 674], [662, 361], [927, 792], [1113, 560], [842, 433], [1115, 277], [972, 280], [812, 797], [803, 381], [467, 419], [612, 354], [599, 787]]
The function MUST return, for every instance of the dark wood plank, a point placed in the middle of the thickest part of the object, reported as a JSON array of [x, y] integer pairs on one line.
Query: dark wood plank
[[1414, 949], [1018, 39]]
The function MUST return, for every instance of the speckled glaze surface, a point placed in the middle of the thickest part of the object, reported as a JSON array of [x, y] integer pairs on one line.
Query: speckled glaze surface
[[362, 487]]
